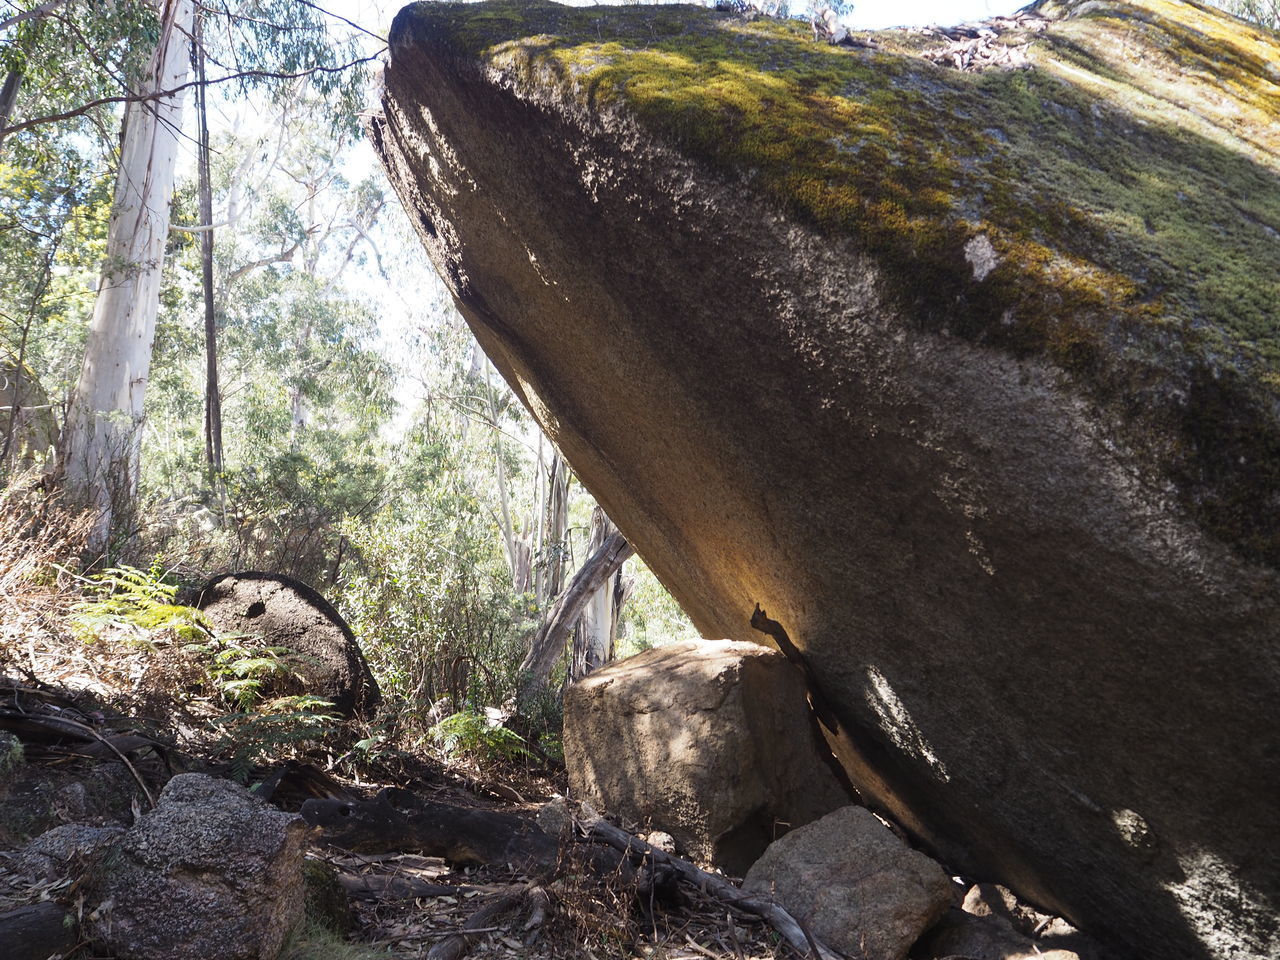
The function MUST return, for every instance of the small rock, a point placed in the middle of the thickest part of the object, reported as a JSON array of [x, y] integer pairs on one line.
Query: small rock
[[854, 884], [663, 841], [987, 937], [212, 873], [990, 899], [555, 820]]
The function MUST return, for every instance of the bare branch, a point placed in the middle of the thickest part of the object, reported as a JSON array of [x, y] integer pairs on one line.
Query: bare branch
[[330, 13], [161, 94], [39, 11]]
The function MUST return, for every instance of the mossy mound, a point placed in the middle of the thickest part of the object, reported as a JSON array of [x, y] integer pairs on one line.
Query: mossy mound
[[1123, 193]]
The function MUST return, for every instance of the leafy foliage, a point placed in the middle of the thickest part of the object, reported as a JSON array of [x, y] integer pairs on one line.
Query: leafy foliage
[[298, 723], [472, 735], [139, 605]]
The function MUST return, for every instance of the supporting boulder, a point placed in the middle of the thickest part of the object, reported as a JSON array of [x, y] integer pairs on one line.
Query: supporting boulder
[[278, 611], [712, 742], [854, 884]]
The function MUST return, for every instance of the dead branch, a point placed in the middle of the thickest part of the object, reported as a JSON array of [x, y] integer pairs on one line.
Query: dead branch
[[550, 639], [455, 946], [599, 829], [382, 886]]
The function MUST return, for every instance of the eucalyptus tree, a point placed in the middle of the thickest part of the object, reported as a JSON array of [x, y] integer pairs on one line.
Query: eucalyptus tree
[[255, 42], [101, 443]]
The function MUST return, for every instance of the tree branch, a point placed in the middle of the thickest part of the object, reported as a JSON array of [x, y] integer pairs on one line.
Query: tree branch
[[548, 642], [800, 940], [161, 94], [35, 12]]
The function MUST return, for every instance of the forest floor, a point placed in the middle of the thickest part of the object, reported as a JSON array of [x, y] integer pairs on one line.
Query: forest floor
[[97, 718]]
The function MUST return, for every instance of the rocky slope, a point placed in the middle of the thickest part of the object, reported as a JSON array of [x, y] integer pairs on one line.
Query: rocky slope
[[970, 379]]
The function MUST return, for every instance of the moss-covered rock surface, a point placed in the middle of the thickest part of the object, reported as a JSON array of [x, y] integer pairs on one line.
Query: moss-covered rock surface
[[1123, 196], [971, 380]]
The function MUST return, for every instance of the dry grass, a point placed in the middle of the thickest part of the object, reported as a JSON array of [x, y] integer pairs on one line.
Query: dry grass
[[41, 541]]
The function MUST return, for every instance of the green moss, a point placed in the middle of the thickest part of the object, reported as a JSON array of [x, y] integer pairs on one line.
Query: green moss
[[1130, 183], [327, 904]]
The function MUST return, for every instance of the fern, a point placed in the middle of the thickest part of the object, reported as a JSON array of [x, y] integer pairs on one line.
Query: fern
[[138, 605], [470, 734], [291, 724]]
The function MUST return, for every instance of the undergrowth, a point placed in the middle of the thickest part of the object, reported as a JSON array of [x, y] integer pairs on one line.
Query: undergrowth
[[138, 608], [472, 735]]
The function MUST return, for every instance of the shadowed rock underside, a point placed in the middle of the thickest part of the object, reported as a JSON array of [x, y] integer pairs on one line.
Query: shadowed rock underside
[[969, 380]]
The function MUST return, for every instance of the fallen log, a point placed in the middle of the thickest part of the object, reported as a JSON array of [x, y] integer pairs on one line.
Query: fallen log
[[37, 931], [399, 820], [455, 946], [789, 928]]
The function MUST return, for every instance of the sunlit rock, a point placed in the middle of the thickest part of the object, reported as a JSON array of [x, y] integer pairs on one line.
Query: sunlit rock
[[710, 742]]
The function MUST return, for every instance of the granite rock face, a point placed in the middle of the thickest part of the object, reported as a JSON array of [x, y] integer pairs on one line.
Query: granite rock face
[[212, 873], [970, 380], [712, 742]]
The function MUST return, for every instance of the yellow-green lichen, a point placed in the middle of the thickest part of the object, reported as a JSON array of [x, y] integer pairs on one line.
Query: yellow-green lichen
[[1128, 184]]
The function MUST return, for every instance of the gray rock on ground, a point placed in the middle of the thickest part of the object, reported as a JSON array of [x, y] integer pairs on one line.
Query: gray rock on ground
[[855, 885], [212, 873], [990, 937], [712, 742], [284, 612]]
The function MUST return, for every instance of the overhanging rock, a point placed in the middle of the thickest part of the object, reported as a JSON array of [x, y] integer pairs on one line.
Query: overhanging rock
[[970, 380]]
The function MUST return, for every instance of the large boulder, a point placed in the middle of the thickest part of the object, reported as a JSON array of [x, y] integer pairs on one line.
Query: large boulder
[[278, 611], [212, 873], [712, 742], [970, 380], [854, 885]]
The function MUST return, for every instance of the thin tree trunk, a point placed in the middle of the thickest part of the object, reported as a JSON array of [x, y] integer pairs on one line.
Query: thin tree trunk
[[212, 394], [8, 99], [548, 643], [540, 531], [99, 459], [20, 361], [593, 640], [508, 537], [557, 529]]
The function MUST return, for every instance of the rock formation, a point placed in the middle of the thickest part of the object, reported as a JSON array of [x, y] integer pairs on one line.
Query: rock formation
[[969, 379], [282, 612], [212, 873], [712, 742]]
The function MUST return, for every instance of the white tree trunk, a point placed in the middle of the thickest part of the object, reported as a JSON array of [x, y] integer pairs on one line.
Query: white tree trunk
[[596, 628], [549, 642], [100, 450]]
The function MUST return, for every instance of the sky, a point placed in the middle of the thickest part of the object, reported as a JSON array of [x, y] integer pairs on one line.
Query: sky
[[867, 14]]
